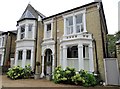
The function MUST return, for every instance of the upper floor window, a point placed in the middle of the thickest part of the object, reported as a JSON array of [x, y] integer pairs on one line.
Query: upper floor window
[[30, 26], [74, 23], [79, 23], [49, 27], [69, 25], [22, 28]]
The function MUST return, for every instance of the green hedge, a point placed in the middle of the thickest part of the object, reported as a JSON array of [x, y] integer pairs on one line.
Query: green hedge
[[18, 72], [70, 76]]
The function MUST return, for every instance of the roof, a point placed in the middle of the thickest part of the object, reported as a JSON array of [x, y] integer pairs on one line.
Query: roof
[[30, 13], [92, 3], [70, 10], [12, 32]]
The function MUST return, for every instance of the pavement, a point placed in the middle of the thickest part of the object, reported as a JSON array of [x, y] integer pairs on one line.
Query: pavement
[[32, 83]]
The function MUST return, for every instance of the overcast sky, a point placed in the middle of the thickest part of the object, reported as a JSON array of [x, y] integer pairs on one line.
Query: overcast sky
[[11, 11]]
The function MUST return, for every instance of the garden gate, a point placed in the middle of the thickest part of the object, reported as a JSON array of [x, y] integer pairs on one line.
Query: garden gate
[[112, 76]]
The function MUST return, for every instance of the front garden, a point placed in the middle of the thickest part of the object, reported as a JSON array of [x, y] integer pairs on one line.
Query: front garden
[[67, 76]]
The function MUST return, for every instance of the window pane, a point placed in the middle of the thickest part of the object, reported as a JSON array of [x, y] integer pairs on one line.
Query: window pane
[[69, 25], [48, 27], [72, 52], [22, 31], [69, 21], [20, 55], [79, 18], [30, 27], [28, 54]]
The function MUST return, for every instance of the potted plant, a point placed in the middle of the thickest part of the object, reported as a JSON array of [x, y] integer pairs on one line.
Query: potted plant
[[37, 73], [49, 70]]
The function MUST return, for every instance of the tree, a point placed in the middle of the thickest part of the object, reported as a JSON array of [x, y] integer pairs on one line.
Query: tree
[[112, 43]]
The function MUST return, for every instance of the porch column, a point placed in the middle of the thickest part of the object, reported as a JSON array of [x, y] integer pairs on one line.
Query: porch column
[[53, 62], [80, 57], [24, 58], [61, 55], [32, 59], [16, 58], [42, 74], [64, 56], [2, 58], [91, 62]]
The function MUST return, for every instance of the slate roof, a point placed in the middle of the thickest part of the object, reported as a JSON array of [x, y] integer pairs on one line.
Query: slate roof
[[31, 13]]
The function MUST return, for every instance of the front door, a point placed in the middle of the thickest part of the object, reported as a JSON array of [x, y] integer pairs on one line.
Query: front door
[[48, 62]]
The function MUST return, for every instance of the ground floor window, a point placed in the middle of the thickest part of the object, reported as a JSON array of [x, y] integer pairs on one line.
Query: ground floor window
[[28, 54], [86, 57], [72, 52], [20, 54]]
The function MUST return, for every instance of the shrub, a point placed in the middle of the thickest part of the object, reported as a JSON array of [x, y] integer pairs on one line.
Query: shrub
[[18, 72], [70, 76], [89, 78], [63, 76]]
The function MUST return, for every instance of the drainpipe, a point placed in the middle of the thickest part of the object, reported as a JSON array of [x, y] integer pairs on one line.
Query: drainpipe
[[35, 46], [10, 46], [97, 67], [55, 41]]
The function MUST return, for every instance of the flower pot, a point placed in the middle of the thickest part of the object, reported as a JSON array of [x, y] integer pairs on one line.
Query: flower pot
[[49, 77], [36, 76]]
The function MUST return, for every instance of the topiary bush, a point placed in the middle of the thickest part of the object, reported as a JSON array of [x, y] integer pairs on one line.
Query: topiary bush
[[18, 72]]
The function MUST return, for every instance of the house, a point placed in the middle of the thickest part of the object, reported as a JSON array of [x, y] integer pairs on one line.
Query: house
[[118, 52], [73, 38], [7, 47], [27, 27]]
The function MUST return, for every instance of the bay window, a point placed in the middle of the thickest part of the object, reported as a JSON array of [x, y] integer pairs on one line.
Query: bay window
[[74, 23]]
